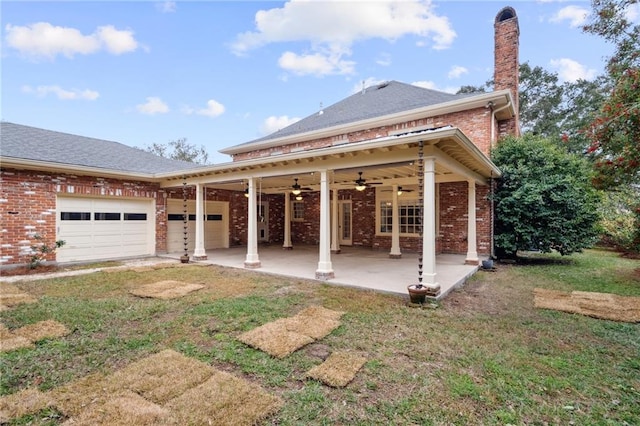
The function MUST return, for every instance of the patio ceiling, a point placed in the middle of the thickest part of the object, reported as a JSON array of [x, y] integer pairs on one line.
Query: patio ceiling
[[386, 161]]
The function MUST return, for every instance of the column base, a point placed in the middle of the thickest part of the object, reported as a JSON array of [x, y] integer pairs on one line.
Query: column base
[[395, 256], [203, 257], [287, 247], [474, 262], [335, 251], [252, 265], [324, 275]]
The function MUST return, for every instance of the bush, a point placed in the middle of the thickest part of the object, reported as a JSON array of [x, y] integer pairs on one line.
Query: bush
[[544, 199]]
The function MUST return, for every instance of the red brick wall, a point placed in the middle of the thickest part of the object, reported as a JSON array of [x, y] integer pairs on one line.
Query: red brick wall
[[453, 215], [28, 206], [507, 63], [476, 124]]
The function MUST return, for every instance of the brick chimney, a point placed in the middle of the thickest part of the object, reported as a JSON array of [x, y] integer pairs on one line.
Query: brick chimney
[[507, 64]]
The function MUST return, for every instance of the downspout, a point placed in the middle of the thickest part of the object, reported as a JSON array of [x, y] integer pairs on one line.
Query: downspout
[[493, 118]]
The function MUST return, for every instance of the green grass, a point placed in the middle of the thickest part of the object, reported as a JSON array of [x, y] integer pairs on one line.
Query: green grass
[[484, 356]]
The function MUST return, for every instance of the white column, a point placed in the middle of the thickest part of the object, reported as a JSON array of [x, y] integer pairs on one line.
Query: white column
[[325, 269], [199, 253], [287, 222], [252, 261], [335, 242], [395, 252], [429, 227], [472, 236]]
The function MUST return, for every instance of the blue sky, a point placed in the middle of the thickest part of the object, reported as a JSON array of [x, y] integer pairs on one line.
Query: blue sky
[[220, 73]]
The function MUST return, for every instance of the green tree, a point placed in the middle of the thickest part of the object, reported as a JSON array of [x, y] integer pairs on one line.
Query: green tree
[[179, 149], [540, 101], [615, 131], [544, 199]]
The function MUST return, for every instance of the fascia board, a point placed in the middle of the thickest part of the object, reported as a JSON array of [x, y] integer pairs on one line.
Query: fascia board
[[46, 166]]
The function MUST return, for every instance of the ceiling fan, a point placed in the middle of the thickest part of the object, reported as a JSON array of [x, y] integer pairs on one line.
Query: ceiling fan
[[297, 189], [400, 190], [361, 184]]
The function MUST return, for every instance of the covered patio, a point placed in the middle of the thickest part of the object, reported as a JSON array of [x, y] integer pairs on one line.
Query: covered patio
[[353, 266]]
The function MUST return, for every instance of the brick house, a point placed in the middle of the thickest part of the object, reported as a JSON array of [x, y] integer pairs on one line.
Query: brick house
[[394, 167]]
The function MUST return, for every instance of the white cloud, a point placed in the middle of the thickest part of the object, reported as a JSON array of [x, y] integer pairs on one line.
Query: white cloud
[[425, 84], [570, 70], [457, 71], [166, 6], [332, 27], [632, 13], [116, 41], [273, 123], [63, 94], [213, 109], [43, 40], [154, 105], [576, 16], [315, 64]]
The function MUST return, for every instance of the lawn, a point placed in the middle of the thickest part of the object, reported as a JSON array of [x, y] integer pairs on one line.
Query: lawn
[[484, 355]]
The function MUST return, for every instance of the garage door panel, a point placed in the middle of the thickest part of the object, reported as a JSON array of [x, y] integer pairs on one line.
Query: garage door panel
[[89, 236], [216, 228]]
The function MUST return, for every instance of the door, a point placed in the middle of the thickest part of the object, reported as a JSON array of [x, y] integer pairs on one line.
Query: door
[[344, 224], [105, 228], [263, 222], [216, 225]]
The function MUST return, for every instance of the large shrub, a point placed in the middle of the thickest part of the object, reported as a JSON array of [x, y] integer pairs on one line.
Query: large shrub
[[544, 200]]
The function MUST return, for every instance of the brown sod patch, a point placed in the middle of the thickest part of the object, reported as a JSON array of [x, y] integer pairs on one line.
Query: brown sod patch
[[26, 336], [128, 408], [11, 295], [284, 336], [24, 402], [596, 305], [165, 388], [224, 400], [166, 289], [42, 330], [338, 370]]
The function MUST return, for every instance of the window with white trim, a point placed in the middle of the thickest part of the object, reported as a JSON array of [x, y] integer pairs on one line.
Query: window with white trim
[[409, 217], [297, 211]]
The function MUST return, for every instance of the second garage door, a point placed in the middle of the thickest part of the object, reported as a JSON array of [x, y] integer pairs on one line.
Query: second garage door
[[216, 225]]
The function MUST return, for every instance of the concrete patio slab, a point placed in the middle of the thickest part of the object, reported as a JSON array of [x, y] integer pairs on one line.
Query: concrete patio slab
[[353, 266]]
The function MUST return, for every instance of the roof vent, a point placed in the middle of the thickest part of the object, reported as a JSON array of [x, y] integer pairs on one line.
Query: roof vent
[[383, 85]]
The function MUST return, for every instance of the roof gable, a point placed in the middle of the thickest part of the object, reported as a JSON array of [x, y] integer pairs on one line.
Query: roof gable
[[376, 101], [31, 143]]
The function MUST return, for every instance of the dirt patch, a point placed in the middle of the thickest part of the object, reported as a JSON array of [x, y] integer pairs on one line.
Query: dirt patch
[[166, 289], [338, 370], [26, 336], [25, 270], [597, 305], [21, 403], [284, 336]]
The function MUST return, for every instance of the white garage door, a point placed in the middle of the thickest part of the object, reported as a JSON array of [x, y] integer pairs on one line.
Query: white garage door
[[216, 225], [104, 228]]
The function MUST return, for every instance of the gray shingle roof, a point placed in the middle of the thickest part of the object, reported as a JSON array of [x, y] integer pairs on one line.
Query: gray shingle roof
[[31, 143], [375, 101]]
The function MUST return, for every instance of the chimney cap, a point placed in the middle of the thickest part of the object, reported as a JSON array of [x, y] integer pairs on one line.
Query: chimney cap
[[505, 14]]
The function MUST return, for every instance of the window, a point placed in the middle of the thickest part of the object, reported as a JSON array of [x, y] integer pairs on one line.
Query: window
[[135, 216], [409, 217], [298, 211], [106, 216], [214, 217], [176, 217], [75, 216]]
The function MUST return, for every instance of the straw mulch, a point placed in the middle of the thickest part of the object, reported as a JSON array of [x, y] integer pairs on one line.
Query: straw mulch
[[284, 336], [11, 296], [166, 289], [596, 305], [338, 370], [26, 336], [164, 389]]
